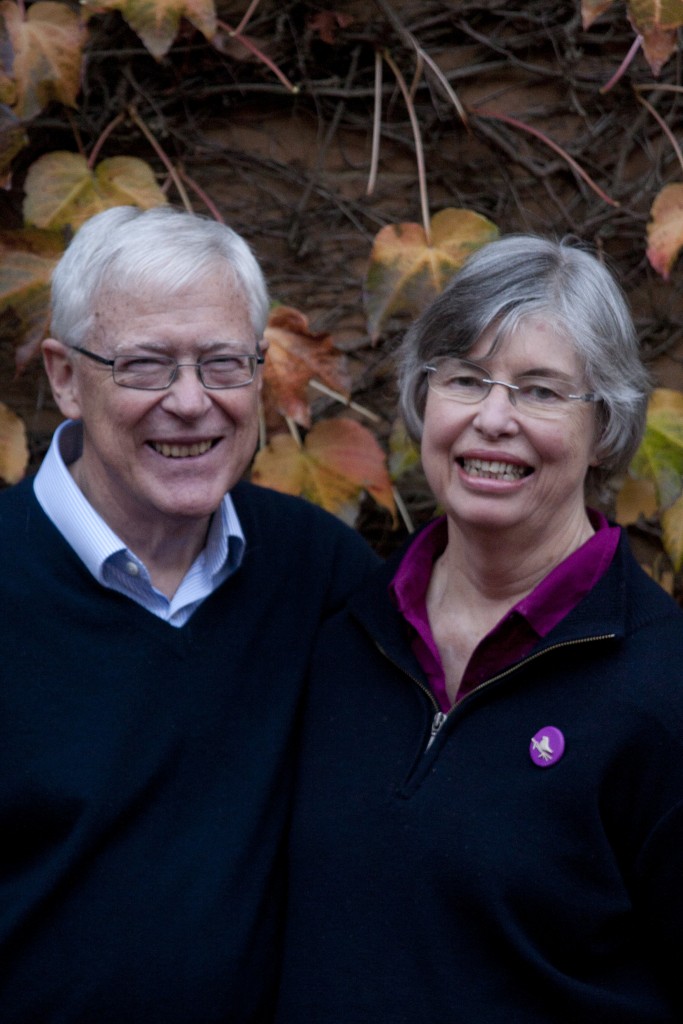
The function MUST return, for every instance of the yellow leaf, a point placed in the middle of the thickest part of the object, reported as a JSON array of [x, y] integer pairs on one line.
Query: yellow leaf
[[13, 446], [672, 533], [660, 455], [157, 21], [62, 191], [27, 259], [665, 229], [657, 22], [339, 459], [404, 454], [636, 498], [295, 356], [47, 45], [13, 138], [406, 272]]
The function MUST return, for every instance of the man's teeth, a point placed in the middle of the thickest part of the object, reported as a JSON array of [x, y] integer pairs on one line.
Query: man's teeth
[[181, 451], [493, 470]]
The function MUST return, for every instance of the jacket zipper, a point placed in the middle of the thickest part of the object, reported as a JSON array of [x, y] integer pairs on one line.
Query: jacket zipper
[[440, 716]]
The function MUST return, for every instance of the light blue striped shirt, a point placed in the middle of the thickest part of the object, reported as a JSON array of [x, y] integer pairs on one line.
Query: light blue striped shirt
[[105, 554]]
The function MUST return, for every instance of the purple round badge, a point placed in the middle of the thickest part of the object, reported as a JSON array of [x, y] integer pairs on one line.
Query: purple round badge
[[547, 746]]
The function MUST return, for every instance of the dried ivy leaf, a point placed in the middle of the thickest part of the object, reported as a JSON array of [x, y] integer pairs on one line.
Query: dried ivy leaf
[[157, 21], [404, 454], [592, 9], [13, 446], [657, 21], [27, 259], [62, 191], [295, 356], [665, 229], [406, 272], [47, 50], [339, 460], [660, 459], [13, 138], [636, 498]]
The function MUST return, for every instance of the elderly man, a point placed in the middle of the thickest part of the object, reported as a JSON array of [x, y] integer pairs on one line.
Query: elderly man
[[157, 618]]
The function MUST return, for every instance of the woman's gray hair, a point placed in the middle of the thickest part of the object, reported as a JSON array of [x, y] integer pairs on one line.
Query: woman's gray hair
[[163, 249], [524, 276]]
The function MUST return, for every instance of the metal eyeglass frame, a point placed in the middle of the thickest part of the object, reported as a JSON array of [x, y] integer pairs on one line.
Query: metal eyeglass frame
[[255, 360]]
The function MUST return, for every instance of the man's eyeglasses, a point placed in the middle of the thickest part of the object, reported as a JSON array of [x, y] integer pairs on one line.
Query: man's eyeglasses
[[157, 373], [465, 382]]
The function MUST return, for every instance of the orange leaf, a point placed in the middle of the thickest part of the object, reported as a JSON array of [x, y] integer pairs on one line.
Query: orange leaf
[[27, 259], [326, 23], [339, 459], [47, 44], [592, 9], [157, 21], [657, 22], [295, 356], [62, 191], [406, 272], [13, 446], [665, 229]]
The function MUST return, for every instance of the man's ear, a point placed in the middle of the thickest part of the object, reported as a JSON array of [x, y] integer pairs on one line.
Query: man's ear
[[59, 367]]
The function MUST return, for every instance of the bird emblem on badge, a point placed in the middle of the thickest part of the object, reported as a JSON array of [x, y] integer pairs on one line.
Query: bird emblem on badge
[[546, 747]]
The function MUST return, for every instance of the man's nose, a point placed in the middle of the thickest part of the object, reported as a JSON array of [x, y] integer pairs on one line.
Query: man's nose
[[187, 395]]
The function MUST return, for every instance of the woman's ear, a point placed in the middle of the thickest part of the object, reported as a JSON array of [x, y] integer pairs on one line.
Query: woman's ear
[[58, 361]]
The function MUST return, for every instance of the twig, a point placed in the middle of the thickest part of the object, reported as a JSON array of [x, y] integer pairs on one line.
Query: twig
[[253, 48], [637, 42], [294, 431], [338, 397], [205, 198], [423, 58], [162, 156], [92, 159], [402, 510], [556, 149], [664, 126], [376, 125], [419, 154], [247, 16]]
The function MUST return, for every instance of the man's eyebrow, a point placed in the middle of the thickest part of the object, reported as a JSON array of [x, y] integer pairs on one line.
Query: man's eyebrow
[[166, 348]]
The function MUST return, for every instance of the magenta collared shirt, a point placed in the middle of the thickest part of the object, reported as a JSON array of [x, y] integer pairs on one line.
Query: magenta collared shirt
[[520, 629]]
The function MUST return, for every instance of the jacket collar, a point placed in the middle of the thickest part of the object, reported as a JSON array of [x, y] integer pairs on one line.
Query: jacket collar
[[610, 609]]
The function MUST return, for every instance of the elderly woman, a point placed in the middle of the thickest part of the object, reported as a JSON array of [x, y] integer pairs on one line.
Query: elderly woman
[[489, 824]]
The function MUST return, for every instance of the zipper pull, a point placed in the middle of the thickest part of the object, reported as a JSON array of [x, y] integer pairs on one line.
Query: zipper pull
[[437, 722]]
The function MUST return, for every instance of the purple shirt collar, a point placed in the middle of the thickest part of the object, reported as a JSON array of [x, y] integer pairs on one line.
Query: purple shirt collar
[[520, 629]]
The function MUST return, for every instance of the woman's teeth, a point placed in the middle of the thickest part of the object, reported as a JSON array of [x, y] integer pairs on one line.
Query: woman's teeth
[[493, 470]]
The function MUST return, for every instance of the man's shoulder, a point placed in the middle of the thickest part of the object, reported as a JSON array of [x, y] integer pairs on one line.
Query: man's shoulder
[[17, 498], [286, 510], [287, 529]]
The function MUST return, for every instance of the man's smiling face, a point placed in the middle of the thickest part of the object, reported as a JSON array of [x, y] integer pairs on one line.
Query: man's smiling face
[[155, 456]]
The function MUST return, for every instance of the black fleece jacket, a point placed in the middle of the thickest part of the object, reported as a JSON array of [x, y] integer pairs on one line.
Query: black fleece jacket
[[461, 882]]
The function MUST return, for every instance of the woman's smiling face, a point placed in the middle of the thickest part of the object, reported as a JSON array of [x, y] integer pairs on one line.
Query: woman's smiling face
[[492, 466]]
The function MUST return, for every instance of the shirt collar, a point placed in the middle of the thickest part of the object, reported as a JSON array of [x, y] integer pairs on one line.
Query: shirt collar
[[87, 532]]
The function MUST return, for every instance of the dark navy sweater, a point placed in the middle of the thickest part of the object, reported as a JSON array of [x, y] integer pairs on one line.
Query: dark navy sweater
[[465, 883], [145, 772]]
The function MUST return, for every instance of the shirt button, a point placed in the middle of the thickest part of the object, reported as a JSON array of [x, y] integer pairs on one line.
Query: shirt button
[[132, 568]]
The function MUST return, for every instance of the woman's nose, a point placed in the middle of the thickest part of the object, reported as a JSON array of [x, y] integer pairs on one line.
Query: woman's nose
[[496, 413]]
